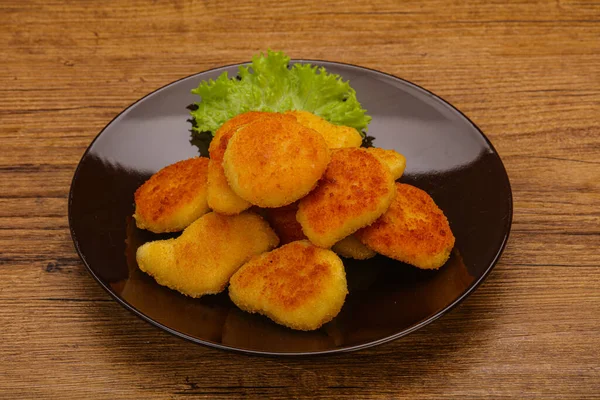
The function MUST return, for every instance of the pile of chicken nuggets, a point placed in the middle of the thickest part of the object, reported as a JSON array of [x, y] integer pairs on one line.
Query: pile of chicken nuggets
[[268, 215]]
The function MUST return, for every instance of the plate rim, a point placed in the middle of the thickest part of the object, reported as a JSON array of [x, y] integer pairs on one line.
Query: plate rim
[[474, 285]]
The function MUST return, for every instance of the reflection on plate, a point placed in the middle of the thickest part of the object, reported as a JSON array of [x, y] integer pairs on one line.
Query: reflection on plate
[[447, 156]]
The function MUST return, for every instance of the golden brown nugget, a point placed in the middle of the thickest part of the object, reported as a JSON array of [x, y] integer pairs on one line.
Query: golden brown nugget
[[220, 196], [284, 223], [336, 136], [413, 230], [174, 197], [395, 161], [275, 161], [351, 247], [297, 285], [207, 253], [355, 190]]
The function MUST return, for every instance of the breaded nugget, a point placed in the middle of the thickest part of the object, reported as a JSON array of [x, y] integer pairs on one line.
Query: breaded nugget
[[355, 190], [207, 253], [284, 223], [395, 161], [413, 230], [220, 196], [174, 197], [297, 285], [336, 136], [351, 247], [274, 161]]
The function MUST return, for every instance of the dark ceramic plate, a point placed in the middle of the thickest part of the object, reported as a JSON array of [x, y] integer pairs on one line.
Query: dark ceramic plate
[[447, 156]]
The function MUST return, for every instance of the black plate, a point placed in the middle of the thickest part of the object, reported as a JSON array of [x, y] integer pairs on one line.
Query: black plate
[[447, 156]]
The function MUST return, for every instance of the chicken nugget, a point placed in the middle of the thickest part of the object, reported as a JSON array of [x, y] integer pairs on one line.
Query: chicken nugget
[[297, 285], [355, 190], [220, 196], [284, 223], [351, 247], [207, 253], [413, 230], [395, 161], [336, 136], [274, 161], [174, 197]]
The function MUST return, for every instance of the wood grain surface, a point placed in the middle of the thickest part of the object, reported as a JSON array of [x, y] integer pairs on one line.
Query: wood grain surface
[[526, 72]]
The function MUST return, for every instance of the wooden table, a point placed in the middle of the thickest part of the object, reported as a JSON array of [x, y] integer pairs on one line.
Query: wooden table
[[527, 72]]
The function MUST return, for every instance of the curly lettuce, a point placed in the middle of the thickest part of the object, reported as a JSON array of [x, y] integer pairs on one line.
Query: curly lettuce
[[268, 83]]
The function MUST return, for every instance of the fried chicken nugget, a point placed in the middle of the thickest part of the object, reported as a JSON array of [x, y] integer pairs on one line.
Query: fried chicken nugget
[[336, 136], [351, 247], [355, 190], [297, 285], [413, 230], [174, 197], [395, 161], [207, 253], [274, 161], [286, 226], [284, 223], [220, 196]]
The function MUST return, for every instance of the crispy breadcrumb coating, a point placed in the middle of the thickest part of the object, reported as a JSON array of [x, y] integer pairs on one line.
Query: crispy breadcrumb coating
[[355, 190], [413, 230], [220, 196], [207, 253], [274, 161], [174, 197], [297, 285], [395, 161], [336, 136]]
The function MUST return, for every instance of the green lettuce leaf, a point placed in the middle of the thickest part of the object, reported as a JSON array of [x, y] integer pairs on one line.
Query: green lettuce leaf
[[269, 84]]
